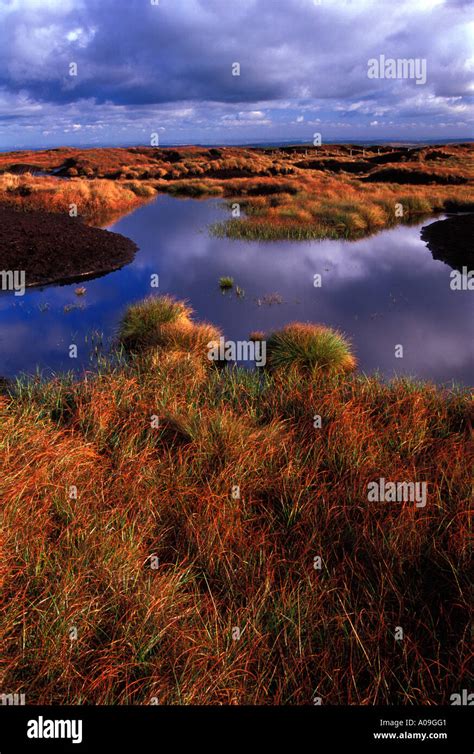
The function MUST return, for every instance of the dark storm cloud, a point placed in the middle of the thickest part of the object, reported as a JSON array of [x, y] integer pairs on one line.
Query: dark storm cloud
[[137, 55]]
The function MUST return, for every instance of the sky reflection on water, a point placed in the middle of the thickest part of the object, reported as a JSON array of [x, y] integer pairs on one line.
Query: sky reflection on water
[[382, 291]]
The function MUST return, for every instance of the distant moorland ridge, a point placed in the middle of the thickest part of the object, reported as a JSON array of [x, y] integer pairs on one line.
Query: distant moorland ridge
[[298, 192]]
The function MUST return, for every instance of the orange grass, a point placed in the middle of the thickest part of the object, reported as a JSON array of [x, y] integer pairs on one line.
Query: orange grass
[[98, 201], [227, 561], [335, 191]]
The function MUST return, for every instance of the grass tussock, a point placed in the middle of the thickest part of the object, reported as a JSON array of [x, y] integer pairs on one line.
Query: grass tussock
[[310, 348], [163, 322], [226, 283], [158, 506]]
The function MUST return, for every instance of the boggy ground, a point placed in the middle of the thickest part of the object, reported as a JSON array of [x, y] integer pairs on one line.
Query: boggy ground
[[132, 570], [283, 192], [56, 248], [452, 241]]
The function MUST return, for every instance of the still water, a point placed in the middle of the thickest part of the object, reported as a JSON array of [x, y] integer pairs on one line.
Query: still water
[[383, 291]]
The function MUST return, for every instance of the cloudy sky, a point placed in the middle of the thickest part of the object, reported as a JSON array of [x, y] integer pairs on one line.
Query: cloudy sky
[[167, 68]]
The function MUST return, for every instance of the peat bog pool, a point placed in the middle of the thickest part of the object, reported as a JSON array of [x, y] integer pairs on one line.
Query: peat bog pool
[[382, 291]]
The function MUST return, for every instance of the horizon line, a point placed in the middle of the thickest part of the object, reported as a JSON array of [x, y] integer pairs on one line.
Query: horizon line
[[259, 143]]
